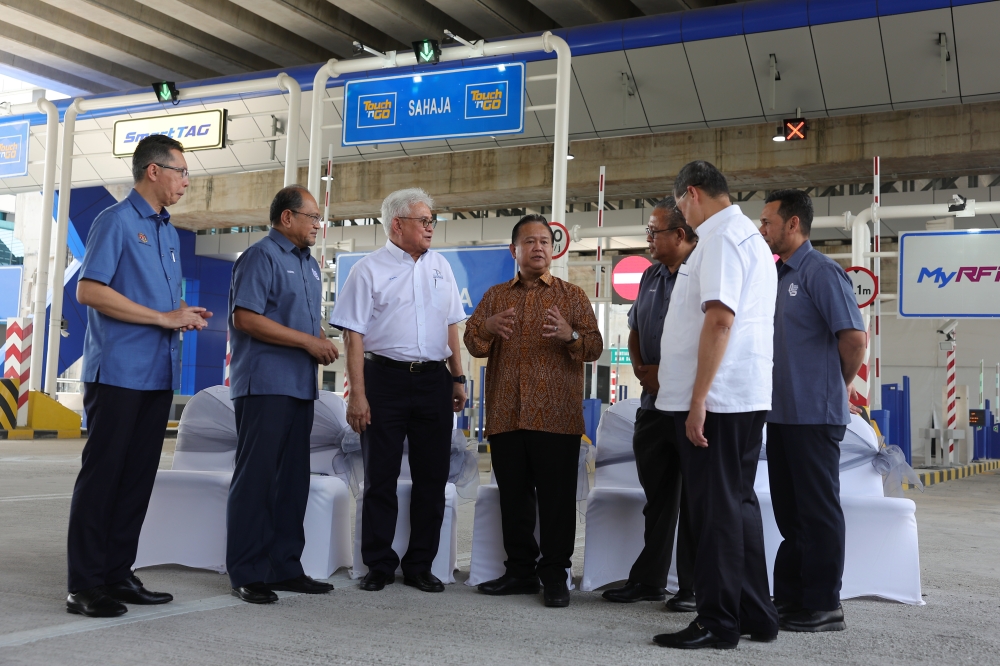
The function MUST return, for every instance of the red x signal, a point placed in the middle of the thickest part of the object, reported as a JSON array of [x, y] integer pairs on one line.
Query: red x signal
[[795, 129]]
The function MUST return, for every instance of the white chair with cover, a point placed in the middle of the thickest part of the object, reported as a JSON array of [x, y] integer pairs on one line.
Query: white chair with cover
[[488, 553], [186, 520], [463, 479]]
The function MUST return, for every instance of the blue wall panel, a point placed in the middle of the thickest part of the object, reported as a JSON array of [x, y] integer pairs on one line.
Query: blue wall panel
[[712, 22], [769, 15]]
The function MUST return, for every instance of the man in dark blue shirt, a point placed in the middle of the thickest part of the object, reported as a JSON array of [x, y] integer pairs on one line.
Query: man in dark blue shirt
[[274, 328], [670, 240], [131, 283], [819, 344]]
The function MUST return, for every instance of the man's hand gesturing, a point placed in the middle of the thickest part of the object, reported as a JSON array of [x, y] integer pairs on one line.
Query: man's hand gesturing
[[502, 324]]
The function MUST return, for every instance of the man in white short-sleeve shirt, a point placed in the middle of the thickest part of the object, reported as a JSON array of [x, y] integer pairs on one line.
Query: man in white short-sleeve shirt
[[399, 310], [715, 376]]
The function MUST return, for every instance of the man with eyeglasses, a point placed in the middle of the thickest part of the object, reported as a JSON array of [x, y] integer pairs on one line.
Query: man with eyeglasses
[[670, 240], [277, 340], [399, 310], [131, 284]]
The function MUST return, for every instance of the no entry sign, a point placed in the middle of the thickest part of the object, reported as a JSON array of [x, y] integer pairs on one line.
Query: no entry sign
[[625, 275]]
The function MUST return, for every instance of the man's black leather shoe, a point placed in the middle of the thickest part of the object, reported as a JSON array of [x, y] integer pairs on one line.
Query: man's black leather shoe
[[303, 584], [557, 594], [785, 607], [131, 591], [694, 637], [633, 592], [812, 620], [375, 580], [424, 581], [255, 593], [94, 602], [761, 636], [682, 602], [508, 584]]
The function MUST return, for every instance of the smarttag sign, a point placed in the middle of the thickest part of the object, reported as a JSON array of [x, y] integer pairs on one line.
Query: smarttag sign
[[473, 101], [14, 149], [950, 274], [202, 130]]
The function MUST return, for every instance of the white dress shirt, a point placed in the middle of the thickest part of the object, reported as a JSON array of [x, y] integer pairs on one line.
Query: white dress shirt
[[402, 307], [731, 264]]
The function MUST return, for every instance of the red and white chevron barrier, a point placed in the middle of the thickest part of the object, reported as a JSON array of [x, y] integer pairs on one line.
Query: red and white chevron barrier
[[347, 387], [861, 381], [17, 361]]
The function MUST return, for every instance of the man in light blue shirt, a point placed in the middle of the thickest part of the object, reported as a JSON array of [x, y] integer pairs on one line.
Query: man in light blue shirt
[[131, 283], [277, 341], [819, 344]]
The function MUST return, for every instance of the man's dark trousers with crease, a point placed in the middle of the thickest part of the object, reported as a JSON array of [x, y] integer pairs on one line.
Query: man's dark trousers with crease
[[659, 468], [730, 571], [804, 472], [125, 430], [537, 469], [417, 406], [270, 489]]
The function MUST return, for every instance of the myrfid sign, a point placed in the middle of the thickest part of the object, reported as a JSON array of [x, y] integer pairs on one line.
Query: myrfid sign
[[468, 102], [950, 274]]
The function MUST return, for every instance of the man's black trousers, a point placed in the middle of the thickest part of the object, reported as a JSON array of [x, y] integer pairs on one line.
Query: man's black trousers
[[530, 464], [803, 464], [416, 406], [270, 489], [730, 570], [659, 470], [125, 430]]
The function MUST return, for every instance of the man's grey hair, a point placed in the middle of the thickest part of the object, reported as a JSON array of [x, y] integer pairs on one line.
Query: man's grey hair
[[400, 203]]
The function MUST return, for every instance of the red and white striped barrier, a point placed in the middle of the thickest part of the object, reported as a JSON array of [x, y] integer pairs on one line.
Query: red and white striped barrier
[[861, 381], [951, 408], [229, 356], [17, 361]]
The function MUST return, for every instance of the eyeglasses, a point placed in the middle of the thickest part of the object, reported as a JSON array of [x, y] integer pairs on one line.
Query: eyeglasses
[[427, 222], [651, 233], [316, 219], [182, 171]]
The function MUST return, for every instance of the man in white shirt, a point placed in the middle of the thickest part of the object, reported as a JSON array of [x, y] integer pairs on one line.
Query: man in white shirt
[[399, 310], [715, 375]]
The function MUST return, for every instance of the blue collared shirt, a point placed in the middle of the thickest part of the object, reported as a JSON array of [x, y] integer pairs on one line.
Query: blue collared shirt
[[135, 251], [647, 314], [815, 301], [276, 279]]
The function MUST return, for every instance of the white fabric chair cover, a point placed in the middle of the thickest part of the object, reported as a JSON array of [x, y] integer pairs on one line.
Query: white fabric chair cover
[[444, 563], [880, 530], [186, 523]]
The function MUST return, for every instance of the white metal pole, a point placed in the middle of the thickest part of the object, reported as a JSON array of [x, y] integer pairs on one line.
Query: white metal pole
[[600, 225], [291, 127], [560, 148], [62, 232], [35, 379], [326, 224], [876, 384]]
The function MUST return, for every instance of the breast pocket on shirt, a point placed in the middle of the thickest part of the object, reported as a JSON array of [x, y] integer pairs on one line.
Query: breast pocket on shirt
[[441, 289]]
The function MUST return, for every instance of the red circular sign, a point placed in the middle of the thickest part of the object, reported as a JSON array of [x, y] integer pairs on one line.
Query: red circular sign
[[560, 239], [626, 274], [865, 285]]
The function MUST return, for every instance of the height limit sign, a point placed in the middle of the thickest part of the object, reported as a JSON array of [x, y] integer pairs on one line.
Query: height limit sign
[[865, 285]]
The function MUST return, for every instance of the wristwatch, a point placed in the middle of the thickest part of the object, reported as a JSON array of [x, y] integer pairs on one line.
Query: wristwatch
[[459, 380], [575, 337]]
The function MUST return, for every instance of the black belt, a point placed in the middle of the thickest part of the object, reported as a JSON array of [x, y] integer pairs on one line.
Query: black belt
[[415, 366]]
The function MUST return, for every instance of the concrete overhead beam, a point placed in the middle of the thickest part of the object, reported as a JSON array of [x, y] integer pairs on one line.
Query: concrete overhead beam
[[169, 34], [249, 29], [80, 63], [56, 79], [917, 144], [322, 23], [497, 18], [405, 20], [99, 40], [570, 13]]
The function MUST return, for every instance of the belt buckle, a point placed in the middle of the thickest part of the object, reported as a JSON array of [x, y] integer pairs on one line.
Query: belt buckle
[[413, 363]]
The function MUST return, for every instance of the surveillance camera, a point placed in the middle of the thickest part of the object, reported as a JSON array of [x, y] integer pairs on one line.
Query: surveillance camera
[[949, 327]]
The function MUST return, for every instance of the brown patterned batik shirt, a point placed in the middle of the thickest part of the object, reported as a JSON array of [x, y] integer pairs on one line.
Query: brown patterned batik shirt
[[534, 383]]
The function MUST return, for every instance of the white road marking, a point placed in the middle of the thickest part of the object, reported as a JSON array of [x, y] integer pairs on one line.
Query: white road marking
[[32, 498]]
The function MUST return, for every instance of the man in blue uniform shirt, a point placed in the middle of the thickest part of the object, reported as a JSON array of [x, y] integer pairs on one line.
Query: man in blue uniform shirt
[[819, 344], [277, 340], [131, 283], [670, 240]]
